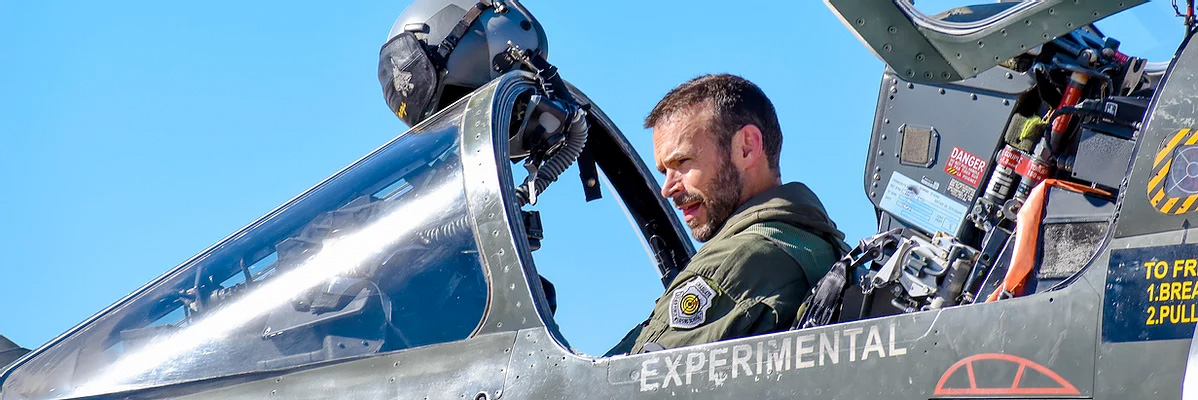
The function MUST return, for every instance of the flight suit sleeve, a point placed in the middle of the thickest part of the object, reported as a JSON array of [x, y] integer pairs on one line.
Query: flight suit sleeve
[[754, 288]]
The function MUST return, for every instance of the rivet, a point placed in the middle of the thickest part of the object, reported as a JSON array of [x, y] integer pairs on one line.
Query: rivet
[[1006, 102], [973, 97], [883, 137], [893, 89], [1010, 76], [941, 91], [881, 153], [887, 47], [873, 194], [877, 177], [910, 85], [885, 120], [877, 169], [919, 56], [892, 30]]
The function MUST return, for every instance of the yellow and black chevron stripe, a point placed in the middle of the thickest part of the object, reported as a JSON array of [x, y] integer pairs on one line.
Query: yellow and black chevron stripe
[[1160, 168]]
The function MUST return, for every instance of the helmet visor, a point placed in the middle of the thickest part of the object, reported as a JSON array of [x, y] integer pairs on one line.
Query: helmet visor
[[408, 78]]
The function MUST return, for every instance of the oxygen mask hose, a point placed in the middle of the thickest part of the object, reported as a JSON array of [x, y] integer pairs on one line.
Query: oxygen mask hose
[[559, 156], [540, 176]]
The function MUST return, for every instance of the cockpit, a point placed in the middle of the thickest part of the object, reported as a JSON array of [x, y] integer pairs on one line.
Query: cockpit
[[424, 242]]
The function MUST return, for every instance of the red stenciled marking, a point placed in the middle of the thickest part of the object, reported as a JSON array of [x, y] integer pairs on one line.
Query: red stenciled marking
[[965, 166], [1065, 387], [1008, 158], [1031, 168]]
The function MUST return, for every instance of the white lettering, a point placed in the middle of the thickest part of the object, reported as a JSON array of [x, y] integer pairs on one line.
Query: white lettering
[[893, 351], [647, 373], [673, 372], [802, 349], [694, 363], [852, 334], [714, 361], [760, 356], [778, 359], [740, 357], [832, 348], [873, 342], [661, 371]]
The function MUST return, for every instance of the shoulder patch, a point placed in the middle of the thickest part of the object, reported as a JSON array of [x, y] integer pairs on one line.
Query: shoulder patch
[[689, 304]]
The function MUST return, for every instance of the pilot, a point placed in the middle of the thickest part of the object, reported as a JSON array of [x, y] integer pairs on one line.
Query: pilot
[[717, 140]]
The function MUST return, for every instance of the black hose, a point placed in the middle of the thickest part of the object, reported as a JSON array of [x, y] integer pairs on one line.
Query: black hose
[[566, 155]]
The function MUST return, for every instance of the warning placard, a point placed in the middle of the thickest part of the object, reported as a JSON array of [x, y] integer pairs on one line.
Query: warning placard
[[1151, 294], [965, 166]]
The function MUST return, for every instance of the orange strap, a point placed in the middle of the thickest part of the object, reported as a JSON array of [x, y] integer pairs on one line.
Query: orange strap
[[1027, 234]]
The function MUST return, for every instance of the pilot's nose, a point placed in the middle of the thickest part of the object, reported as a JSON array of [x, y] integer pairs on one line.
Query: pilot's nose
[[672, 185]]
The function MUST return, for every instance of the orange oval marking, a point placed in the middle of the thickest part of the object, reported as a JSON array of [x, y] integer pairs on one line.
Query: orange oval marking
[[1065, 387]]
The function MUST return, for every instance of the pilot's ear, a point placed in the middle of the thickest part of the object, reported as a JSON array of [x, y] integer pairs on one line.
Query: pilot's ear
[[747, 145]]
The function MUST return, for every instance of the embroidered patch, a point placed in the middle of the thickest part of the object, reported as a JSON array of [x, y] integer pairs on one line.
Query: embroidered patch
[[689, 304]]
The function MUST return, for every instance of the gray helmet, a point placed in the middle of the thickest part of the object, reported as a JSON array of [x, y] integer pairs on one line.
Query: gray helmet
[[440, 50]]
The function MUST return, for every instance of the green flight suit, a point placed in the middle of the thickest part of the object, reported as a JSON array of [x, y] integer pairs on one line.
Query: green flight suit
[[745, 281]]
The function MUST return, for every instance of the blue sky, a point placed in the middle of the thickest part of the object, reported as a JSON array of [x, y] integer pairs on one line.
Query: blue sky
[[135, 134]]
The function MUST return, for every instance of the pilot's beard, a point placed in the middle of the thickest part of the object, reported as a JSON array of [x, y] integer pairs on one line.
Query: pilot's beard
[[724, 198]]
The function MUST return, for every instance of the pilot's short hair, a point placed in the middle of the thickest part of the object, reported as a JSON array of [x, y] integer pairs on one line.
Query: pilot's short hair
[[735, 102]]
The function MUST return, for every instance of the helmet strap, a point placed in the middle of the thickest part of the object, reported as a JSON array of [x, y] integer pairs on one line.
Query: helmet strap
[[440, 55]]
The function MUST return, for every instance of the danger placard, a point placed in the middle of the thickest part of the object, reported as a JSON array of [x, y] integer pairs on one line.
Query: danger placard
[[965, 166]]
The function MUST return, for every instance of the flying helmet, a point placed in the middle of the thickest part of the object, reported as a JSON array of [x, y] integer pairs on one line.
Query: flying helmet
[[440, 50]]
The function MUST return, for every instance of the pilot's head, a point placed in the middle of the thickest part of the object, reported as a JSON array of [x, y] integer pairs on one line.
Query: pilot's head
[[717, 140]]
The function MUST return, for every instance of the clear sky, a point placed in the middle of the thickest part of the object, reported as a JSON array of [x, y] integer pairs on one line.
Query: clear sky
[[135, 134]]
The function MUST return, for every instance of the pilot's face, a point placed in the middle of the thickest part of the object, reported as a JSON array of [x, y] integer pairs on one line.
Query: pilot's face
[[700, 178]]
